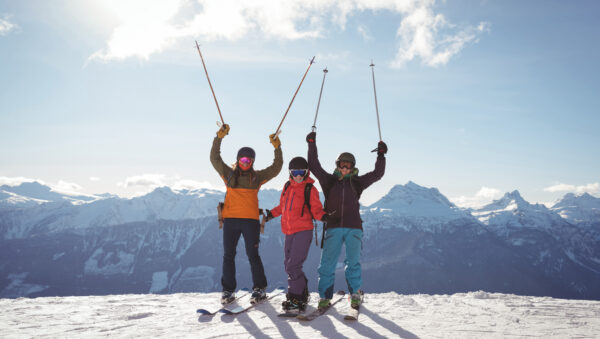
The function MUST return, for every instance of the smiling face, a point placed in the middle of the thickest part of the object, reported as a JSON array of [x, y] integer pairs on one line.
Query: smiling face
[[245, 163], [345, 167], [298, 174]]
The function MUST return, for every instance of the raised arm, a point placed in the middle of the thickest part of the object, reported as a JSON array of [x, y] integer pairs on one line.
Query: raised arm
[[369, 178], [272, 171], [215, 153], [313, 159]]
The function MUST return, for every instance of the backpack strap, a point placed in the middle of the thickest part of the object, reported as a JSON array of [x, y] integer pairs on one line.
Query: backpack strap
[[307, 189]]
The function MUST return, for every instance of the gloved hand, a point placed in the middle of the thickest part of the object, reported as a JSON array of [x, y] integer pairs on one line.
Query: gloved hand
[[381, 148], [223, 131], [311, 137], [325, 217], [275, 140], [269, 216]]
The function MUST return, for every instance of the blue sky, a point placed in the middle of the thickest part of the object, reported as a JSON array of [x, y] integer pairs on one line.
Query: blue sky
[[476, 98]]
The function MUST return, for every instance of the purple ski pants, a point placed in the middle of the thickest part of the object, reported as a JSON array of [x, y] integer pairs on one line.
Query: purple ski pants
[[295, 252]]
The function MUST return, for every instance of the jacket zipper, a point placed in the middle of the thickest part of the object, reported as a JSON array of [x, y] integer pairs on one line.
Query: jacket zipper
[[343, 202]]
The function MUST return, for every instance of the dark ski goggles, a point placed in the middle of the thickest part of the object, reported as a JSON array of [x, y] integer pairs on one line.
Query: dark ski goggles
[[346, 165], [298, 172]]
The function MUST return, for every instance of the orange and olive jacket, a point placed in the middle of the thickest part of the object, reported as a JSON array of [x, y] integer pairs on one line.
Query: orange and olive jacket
[[241, 197]]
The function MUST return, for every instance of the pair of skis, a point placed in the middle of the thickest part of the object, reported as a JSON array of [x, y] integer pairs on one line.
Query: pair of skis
[[351, 315], [240, 304]]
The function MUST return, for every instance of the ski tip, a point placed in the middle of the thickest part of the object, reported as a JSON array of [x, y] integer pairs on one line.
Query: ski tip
[[245, 289], [225, 311], [202, 311]]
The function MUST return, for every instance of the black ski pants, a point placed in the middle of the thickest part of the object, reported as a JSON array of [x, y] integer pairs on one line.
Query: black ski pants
[[233, 228]]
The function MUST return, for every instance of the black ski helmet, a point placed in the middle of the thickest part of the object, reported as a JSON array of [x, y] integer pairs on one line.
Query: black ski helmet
[[348, 157], [246, 152], [298, 163]]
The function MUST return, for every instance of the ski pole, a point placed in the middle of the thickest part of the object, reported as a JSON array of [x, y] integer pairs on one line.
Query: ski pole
[[375, 93], [288, 109], [208, 78], [314, 126]]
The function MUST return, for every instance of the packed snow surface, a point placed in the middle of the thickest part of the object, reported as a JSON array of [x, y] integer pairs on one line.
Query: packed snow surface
[[463, 315]]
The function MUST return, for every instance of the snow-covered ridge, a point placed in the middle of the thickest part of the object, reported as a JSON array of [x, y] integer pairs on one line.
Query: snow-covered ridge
[[412, 200], [40, 206], [513, 211], [582, 208]]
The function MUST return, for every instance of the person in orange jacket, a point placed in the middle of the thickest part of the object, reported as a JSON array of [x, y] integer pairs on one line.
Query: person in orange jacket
[[297, 225], [240, 212]]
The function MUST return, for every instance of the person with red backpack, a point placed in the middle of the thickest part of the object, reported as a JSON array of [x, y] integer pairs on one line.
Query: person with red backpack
[[298, 205]]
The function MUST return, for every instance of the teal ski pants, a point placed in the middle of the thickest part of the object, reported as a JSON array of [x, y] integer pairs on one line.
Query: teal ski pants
[[332, 246]]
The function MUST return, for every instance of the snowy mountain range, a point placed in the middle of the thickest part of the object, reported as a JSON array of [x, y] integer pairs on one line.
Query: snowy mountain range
[[416, 241]]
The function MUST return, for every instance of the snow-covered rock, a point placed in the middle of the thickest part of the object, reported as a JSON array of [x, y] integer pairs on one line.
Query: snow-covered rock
[[578, 209]]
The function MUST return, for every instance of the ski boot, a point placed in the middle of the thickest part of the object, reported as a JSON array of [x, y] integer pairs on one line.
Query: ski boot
[[294, 306], [258, 295], [324, 303], [356, 299], [294, 303], [227, 297]]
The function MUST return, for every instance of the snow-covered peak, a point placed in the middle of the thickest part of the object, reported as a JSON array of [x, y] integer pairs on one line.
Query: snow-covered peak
[[510, 201], [412, 200], [31, 193], [513, 211], [578, 208]]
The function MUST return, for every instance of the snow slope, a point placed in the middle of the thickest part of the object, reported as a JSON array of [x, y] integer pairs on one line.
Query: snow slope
[[577, 209], [463, 315]]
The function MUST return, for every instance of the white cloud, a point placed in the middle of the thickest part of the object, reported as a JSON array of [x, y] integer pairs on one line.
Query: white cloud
[[94, 179], [484, 196], [152, 26], [15, 181], [364, 32], [144, 180], [6, 26], [193, 184], [66, 186], [592, 188], [425, 34]]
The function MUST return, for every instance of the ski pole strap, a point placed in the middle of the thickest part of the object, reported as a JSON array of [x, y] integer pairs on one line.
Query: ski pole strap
[[316, 236], [263, 220], [220, 214], [323, 235]]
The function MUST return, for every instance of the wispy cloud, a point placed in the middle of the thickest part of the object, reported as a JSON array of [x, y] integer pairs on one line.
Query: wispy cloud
[[152, 26], [14, 181], [145, 180], [484, 196], [6, 26], [364, 32], [193, 184], [593, 188], [429, 36]]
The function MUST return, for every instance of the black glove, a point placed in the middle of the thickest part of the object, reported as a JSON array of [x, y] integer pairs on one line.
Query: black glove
[[311, 137], [381, 148], [269, 216], [324, 217]]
